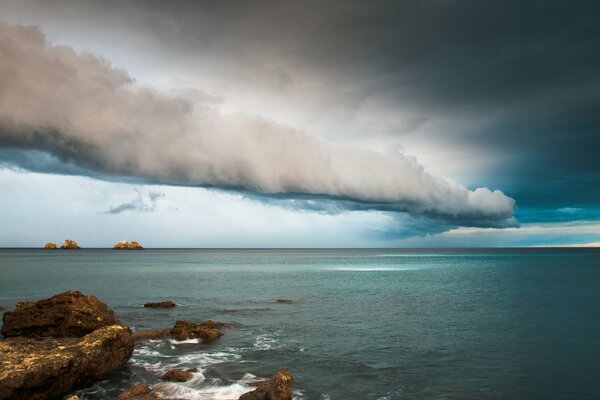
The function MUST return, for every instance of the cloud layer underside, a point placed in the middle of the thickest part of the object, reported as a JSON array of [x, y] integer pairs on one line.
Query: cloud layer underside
[[80, 109]]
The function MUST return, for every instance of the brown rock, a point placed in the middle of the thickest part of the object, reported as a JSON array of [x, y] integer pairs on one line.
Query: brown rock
[[50, 246], [125, 245], [161, 304], [207, 330], [65, 314], [46, 368], [278, 388], [178, 375], [134, 391], [69, 245], [72, 398]]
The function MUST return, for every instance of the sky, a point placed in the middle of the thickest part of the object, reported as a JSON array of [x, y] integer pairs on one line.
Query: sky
[[300, 123]]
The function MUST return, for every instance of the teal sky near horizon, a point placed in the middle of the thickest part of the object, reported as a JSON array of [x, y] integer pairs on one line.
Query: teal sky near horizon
[[292, 124]]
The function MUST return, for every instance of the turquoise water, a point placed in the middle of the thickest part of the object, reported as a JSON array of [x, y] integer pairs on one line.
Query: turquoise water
[[364, 324]]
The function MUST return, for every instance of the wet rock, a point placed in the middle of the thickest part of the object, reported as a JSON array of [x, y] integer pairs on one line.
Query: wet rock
[[285, 301], [72, 398], [161, 304], [134, 391], [278, 388], [125, 245], [207, 330], [45, 368], [178, 375], [66, 314], [50, 246], [69, 245]]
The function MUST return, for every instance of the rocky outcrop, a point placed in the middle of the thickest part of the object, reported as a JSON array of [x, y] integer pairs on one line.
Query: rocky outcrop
[[125, 245], [66, 314], [278, 388], [179, 375], [207, 331], [161, 304], [69, 245], [50, 246], [45, 368]]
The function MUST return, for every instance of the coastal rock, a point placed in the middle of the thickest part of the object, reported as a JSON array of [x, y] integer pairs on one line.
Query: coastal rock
[[178, 375], [207, 330], [278, 388], [50, 246], [125, 245], [46, 368], [72, 398], [69, 245], [285, 301], [161, 304], [134, 391], [66, 314]]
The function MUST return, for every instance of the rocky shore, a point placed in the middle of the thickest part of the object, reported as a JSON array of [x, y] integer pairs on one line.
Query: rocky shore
[[54, 346]]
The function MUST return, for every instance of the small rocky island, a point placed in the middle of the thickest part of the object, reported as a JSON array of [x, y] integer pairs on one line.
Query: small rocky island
[[77, 338], [69, 245], [50, 246], [125, 245]]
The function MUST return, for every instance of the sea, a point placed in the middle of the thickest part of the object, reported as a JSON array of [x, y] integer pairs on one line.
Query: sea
[[355, 323]]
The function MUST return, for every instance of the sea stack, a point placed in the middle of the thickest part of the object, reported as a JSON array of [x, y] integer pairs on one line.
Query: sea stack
[[125, 245], [69, 245], [50, 246]]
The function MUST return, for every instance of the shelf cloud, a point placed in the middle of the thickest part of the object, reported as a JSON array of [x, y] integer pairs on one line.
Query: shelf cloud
[[78, 108]]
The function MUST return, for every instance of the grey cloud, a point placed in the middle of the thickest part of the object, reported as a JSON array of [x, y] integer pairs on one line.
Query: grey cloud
[[80, 109], [143, 202]]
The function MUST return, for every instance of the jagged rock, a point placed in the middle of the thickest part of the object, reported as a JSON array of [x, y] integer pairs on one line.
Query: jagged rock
[[46, 368], [134, 391], [207, 330], [161, 304], [278, 388], [125, 245], [69, 245], [66, 314], [178, 375], [50, 246]]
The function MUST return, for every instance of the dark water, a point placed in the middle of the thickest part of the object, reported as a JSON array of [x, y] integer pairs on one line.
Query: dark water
[[364, 324]]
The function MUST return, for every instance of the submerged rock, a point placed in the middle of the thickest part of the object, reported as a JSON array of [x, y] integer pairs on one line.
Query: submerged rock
[[125, 245], [69, 245], [178, 375], [50, 246], [278, 388], [134, 391], [285, 301], [45, 368], [161, 304], [66, 314]]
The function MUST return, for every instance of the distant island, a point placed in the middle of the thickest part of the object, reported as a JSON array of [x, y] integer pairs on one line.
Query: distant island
[[69, 244]]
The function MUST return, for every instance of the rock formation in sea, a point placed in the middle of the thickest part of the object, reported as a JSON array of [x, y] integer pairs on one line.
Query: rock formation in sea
[[208, 331], [161, 304], [179, 375], [50, 246], [69, 245], [125, 245], [56, 345], [277, 388], [69, 314], [135, 391]]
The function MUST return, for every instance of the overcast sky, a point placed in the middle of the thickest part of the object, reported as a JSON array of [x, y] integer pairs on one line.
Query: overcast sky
[[284, 124]]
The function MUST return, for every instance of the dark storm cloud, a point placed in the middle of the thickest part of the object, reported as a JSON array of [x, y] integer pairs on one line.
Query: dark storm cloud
[[143, 202], [519, 80]]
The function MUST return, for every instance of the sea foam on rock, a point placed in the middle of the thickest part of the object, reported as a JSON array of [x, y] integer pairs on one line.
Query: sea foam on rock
[[277, 388]]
